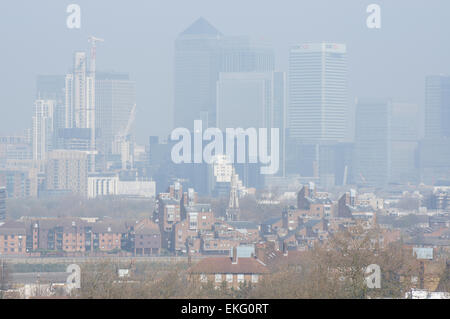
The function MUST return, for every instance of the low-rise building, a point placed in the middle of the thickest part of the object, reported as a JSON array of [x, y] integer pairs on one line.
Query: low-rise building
[[234, 271], [13, 238]]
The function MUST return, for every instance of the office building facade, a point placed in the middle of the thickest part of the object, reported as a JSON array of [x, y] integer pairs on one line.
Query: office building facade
[[318, 106], [2, 203], [42, 128], [67, 172], [115, 97], [201, 53]]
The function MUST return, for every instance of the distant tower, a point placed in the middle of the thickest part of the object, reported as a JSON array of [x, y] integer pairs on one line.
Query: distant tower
[[232, 213], [437, 106], [318, 92], [3, 196], [42, 128], [80, 99], [201, 53], [90, 107]]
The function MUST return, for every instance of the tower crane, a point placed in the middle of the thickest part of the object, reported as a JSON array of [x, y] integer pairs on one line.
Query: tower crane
[[93, 41], [123, 142]]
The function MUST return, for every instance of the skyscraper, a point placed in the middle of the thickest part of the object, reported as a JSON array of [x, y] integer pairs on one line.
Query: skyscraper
[[259, 99], [82, 94], [80, 105], [42, 128], [247, 94], [52, 87], [372, 141], [115, 96], [66, 171], [201, 52], [386, 141], [2, 203], [437, 106], [434, 154], [404, 142], [318, 92], [197, 64]]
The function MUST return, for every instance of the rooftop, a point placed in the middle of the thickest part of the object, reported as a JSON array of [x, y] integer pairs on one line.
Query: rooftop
[[201, 27], [224, 265]]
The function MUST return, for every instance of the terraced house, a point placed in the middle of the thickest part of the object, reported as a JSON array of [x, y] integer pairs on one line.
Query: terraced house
[[79, 237], [233, 271]]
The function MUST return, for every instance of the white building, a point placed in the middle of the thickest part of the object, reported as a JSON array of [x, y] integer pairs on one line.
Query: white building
[[318, 105], [80, 101], [110, 185], [42, 128]]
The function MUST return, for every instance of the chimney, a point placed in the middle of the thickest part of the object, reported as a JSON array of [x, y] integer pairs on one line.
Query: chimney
[[234, 256], [260, 252], [285, 250]]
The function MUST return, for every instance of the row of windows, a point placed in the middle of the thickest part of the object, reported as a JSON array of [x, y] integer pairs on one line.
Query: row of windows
[[13, 250], [229, 278]]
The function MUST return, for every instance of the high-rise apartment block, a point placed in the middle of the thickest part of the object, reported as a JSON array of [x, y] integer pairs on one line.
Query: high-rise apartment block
[[52, 87], [67, 171], [80, 106], [2, 203], [42, 128]]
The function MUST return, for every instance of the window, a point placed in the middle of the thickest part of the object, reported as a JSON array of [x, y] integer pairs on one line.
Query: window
[[229, 277], [218, 277], [255, 278], [240, 278], [203, 278]]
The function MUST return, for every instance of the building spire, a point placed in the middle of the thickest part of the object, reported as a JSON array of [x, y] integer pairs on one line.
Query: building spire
[[233, 204]]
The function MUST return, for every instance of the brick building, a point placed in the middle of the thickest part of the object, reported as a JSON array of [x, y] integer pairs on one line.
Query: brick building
[[147, 238], [233, 270], [13, 238]]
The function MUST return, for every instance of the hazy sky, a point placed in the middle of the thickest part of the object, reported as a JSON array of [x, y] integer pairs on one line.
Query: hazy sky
[[391, 62]]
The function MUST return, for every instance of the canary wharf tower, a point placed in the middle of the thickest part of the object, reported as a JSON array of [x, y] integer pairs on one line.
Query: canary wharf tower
[[201, 53], [318, 92]]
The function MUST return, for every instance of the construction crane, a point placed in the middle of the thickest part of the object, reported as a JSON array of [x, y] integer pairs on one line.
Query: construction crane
[[122, 141], [93, 41], [126, 131], [362, 178]]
